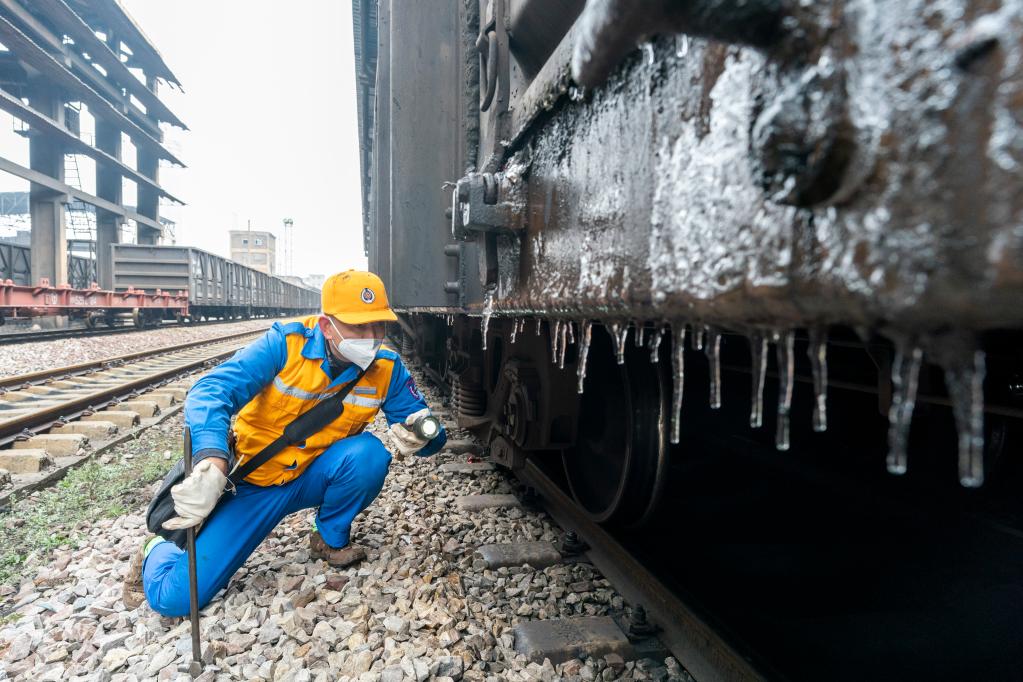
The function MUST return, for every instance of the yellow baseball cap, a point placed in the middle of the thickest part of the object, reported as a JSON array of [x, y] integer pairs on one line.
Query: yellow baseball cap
[[356, 297]]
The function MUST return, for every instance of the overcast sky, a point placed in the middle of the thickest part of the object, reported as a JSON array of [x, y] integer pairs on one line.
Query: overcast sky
[[269, 97]]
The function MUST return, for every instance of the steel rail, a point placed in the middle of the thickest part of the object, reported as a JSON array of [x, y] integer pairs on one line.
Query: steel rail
[[46, 375], [702, 651], [81, 332], [47, 417]]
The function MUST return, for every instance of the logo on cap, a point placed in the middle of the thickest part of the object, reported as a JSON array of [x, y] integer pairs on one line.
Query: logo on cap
[[368, 296]]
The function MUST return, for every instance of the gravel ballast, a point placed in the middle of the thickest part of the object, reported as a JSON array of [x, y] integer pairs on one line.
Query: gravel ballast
[[422, 606], [22, 358]]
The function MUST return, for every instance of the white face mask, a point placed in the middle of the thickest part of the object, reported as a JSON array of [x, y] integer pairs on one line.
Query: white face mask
[[358, 351]]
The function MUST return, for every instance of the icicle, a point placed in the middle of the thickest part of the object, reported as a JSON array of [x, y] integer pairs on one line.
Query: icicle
[[714, 358], [678, 371], [758, 354], [564, 344], [571, 331], [818, 352], [640, 330], [785, 371], [905, 373], [654, 344], [681, 45], [619, 332], [555, 337], [514, 331], [488, 310], [698, 337], [538, 323], [964, 377], [648, 50], [584, 351]]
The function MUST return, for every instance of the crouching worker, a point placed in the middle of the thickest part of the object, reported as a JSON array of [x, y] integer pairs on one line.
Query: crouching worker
[[339, 470]]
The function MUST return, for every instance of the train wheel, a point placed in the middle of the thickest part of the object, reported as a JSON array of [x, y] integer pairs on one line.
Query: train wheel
[[617, 467]]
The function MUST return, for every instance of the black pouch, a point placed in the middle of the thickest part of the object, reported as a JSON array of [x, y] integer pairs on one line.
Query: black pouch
[[161, 508]]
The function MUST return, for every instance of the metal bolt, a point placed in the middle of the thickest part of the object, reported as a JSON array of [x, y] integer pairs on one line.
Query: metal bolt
[[571, 544], [639, 626]]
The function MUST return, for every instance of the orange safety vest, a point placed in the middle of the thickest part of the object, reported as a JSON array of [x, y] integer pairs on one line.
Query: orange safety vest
[[295, 389]]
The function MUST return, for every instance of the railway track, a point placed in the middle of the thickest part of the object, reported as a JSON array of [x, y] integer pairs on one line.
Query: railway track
[[30, 403], [82, 332], [698, 645]]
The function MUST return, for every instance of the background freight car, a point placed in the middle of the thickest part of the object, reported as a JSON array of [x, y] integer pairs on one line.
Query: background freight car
[[217, 287]]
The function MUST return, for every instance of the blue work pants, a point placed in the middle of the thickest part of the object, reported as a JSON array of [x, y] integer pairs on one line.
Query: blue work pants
[[342, 482]]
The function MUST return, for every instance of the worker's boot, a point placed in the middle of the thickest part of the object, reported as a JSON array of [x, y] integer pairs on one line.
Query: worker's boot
[[336, 557], [132, 592]]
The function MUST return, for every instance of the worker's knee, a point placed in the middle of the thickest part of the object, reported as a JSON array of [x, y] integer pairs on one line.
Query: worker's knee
[[165, 582], [372, 464]]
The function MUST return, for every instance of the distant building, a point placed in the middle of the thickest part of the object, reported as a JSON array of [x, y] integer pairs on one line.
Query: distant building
[[315, 281], [256, 249]]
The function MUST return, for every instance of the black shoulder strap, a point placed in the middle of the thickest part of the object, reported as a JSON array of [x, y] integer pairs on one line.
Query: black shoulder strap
[[307, 424]]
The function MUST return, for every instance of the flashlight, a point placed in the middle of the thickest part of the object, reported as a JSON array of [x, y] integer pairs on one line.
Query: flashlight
[[426, 427]]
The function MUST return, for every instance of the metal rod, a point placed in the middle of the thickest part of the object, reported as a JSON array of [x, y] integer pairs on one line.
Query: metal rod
[[193, 581]]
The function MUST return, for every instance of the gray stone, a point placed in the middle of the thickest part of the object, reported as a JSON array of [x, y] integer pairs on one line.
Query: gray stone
[[478, 502], [107, 642], [362, 661], [21, 647], [392, 673], [536, 554], [565, 639], [324, 632], [449, 666], [396, 625], [115, 658]]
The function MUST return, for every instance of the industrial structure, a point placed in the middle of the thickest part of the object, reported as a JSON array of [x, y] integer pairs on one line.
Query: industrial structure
[[66, 61], [255, 248]]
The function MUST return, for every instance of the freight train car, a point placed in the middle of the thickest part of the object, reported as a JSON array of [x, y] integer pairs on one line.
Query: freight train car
[[664, 249], [217, 287]]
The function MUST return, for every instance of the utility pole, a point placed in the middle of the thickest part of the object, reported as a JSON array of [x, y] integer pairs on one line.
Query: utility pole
[[289, 248], [248, 244]]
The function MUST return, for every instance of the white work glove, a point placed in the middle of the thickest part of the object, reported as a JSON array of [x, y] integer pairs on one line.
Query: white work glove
[[196, 496], [404, 439]]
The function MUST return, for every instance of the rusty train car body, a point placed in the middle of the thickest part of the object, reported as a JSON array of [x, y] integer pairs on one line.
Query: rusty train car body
[[609, 224]]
